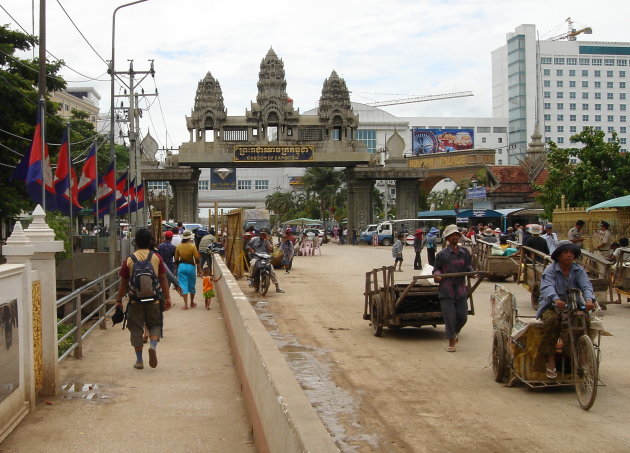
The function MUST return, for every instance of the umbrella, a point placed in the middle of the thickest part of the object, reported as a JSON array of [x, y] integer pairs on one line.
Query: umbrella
[[619, 202], [302, 221]]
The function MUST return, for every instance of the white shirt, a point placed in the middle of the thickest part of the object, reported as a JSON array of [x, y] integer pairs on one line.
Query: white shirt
[[177, 239], [552, 241]]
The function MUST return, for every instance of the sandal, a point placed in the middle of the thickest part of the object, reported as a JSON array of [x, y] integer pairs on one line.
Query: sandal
[[450, 349], [184, 308], [551, 374], [193, 305]]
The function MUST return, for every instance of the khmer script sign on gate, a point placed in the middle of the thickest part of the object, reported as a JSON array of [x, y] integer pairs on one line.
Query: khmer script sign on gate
[[252, 153]]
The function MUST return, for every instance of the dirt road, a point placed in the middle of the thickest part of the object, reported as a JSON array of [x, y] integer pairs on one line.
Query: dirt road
[[404, 393]]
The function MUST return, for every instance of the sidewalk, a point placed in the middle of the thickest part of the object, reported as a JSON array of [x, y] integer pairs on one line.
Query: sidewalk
[[190, 403]]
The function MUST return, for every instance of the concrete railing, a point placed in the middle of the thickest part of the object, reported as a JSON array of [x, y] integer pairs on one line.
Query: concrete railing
[[282, 417]]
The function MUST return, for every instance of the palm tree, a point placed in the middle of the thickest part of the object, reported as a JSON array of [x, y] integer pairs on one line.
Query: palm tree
[[325, 182], [281, 203]]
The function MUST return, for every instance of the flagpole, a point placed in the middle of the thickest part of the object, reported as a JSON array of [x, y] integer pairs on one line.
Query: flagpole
[[70, 184], [42, 130], [129, 207]]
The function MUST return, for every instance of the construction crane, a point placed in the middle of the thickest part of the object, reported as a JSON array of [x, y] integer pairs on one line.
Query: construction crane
[[572, 33], [431, 97]]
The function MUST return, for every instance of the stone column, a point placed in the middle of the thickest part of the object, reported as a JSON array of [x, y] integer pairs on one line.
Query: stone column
[[19, 250], [359, 203], [407, 198], [43, 239], [185, 199]]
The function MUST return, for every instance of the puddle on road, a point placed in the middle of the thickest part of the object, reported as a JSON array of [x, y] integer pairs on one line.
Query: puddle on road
[[90, 392], [336, 406]]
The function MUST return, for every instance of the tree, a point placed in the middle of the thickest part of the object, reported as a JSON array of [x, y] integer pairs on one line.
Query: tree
[[282, 204], [326, 183], [602, 172]]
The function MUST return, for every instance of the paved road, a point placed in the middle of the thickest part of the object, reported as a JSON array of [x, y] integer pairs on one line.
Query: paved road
[[404, 393], [190, 403]]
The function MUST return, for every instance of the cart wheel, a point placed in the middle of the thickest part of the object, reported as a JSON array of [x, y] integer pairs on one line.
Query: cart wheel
[[499, 355], [535, 296], [376, 315], [587, 372]]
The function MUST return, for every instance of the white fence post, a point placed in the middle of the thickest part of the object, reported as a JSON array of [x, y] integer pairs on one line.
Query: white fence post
[[45, 246]]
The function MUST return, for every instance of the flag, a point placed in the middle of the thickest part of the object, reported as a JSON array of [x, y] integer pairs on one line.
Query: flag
[[20, 172], [87, 183], [140, 195], [122, 200], [133, 202], [106, 189], [65, 182], [39, 172]]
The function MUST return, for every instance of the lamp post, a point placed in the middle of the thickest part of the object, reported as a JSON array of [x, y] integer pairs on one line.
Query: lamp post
[[113, 230]]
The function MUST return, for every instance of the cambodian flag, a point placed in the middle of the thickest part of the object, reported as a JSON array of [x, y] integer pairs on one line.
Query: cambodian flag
[[106, 187], [39, 172], [133, 202], [140, 196], [65, 180], [122, 195], [87, 183]]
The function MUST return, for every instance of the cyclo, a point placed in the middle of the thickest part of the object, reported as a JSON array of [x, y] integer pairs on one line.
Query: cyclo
[[516, 341]]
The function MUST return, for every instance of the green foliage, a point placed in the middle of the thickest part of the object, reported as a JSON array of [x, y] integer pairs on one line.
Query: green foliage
[[62, 330], [602, 172], [327, 184]]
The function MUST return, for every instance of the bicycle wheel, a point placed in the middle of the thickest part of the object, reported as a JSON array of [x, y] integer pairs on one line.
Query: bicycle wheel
[[264, 283], [586, 373]]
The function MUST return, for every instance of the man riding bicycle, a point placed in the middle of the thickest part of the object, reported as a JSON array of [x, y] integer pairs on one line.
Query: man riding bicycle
[[557, 279]]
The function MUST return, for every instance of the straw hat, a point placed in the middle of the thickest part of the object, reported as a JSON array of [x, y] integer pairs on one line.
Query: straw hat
[[187, 234], [451, 229], [488, 232], [536, 229]]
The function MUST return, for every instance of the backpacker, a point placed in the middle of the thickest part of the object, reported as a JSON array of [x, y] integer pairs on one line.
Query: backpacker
[[143, 284]]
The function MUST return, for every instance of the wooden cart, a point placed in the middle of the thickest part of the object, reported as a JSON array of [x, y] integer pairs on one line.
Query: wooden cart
[[497, 267], [396, 305]]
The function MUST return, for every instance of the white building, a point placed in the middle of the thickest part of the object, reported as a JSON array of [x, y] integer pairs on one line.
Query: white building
[[566, 84]]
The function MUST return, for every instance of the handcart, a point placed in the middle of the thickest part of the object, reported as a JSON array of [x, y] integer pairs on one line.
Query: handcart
[[516, 344], [397, 305], [497, 267]]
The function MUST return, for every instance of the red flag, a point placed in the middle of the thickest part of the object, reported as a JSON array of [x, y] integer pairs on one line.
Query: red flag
[[87, 183], [39, 172]]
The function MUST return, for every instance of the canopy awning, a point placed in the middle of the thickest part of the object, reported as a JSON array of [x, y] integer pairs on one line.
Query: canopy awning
[[619, 202]]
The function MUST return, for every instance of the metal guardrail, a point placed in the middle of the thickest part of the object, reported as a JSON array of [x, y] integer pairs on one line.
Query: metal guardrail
[[99, 293]]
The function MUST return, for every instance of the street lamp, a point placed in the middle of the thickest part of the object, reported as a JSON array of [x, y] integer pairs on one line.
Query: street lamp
[[113, 230]]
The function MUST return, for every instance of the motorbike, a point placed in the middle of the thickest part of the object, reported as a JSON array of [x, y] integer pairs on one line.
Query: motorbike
[[262, 272]]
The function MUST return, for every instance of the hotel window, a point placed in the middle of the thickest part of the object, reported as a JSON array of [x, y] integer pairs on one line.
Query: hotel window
[[611, 129], [203, 184], [546, 72], [546, 83], [622, 107], [622, 130], [571, 72], [596, 61], [572, 106], [598, 118], [622, 84], [547, 139], [547, 105], [244, 184], [584, 106], [585, 95], [584, 117], [609, 62], [483, 139], [572, 61], [547, 94], [610, 106], [610, 118], [622, 73], [598, 106], [560, 139], [560, 106], [558, 60], [560, 117], [598, 73], [572, 117], [261, 184], [571, 83], [610, 85], [622, 62], [622, 140], [572, 129], [610, 96], [609, 74], [598, 84], [368, 136], [547, 128], [584, 72], [598, 95], [559, 83], [547, 117], [500, 140], [545, 60], [560, 95], [585, 62], [560, 128], [622, 118], [584, 83]]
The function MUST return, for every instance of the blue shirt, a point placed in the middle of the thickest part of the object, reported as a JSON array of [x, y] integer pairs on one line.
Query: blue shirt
[[555, 285]]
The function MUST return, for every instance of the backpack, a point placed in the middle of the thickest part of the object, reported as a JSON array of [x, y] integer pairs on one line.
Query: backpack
[[143, 284]]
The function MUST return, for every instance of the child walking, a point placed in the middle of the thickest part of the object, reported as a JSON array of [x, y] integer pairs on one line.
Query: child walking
[[208, 286], [397, 250]]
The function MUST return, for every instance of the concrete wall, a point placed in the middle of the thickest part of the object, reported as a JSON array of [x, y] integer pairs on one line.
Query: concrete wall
[[282, 417]]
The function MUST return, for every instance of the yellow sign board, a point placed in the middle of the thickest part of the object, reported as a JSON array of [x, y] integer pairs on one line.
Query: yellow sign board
[[438, 161]]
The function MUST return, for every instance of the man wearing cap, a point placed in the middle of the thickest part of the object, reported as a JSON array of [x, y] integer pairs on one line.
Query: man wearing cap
[[557, 279], [167, 251], [418, 245], [453, 291], [575, 234], [550, 237]]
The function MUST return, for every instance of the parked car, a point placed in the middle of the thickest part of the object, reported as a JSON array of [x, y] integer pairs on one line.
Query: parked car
[[192, 226]]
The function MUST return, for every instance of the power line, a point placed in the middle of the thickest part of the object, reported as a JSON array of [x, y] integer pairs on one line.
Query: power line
[[11, 149], [162, 113], [82, 35]]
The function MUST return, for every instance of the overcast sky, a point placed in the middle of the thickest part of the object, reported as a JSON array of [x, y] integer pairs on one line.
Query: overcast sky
[[402, 47]]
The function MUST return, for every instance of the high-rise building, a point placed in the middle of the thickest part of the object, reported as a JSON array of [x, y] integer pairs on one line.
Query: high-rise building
[[565, 84]]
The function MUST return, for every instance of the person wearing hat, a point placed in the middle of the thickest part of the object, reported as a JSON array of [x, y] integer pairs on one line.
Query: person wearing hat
[[536, 242], [418, 245], [453, 292], [261, 243], [557, 279], [488, 235], [550, 237], [187, 261], [431, 244]]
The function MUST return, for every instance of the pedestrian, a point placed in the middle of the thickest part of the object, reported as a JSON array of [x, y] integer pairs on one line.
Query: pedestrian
[[287, 245], [605, 240], [167, 251], [208, 286], [397, 252], [489, 236], [536, 242], [204, 244], [418, 245], [575, 234], [453, 291], [180, 228], [177, 237], [143, 278], [431, 244], [519, 233], [354, 236], [550, 237], [187, 260]]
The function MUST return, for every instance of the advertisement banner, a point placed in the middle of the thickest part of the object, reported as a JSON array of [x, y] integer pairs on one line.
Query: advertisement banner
[[430, 141], [249, 153], [475, 193], [223, 179]]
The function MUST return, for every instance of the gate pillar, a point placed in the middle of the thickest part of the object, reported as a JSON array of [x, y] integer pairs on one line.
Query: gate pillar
[[186, 199], [359, 203], [407, 198]]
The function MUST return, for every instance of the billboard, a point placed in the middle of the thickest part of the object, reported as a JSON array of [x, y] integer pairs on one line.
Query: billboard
[[429, 141], [223, 179]]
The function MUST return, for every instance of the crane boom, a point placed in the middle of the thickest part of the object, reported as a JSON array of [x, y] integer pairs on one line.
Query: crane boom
[[572, 33], [431, 97]]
